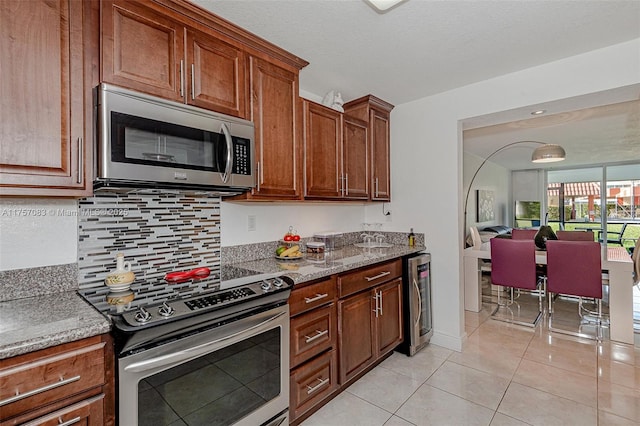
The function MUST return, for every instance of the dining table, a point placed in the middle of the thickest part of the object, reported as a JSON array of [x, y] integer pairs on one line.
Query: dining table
[[616, 262]]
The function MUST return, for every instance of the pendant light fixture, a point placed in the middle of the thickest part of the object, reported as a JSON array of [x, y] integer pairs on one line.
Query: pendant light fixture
[[545, 153], [548, 153]]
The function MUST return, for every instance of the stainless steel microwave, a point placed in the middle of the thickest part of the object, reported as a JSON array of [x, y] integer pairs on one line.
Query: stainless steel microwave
[[148, 142]]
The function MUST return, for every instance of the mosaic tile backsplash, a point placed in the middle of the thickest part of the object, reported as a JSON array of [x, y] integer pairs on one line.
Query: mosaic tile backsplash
[[158, 233]]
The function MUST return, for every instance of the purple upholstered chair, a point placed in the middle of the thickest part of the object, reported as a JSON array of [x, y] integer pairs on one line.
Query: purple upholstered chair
[[513, 264], [574, 268], [523, 234], [575, 235]]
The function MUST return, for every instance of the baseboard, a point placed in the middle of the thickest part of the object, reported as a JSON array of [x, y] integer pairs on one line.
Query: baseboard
[[447, 341]]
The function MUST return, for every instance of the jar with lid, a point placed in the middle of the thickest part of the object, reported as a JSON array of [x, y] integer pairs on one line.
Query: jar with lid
[[315, 251]]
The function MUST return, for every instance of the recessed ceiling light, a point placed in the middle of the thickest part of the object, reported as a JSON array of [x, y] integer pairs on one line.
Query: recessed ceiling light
[[538, 112], [383, 6]]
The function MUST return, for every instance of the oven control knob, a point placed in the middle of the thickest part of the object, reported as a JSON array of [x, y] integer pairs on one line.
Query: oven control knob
[[142, 315], [166, 310], [266, 285], [278, 282]]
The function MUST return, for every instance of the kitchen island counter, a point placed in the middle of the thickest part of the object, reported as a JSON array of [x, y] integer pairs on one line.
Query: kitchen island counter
[[39, 322]]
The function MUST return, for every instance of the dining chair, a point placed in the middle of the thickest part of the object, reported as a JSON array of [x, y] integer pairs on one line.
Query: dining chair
[[523, 234], [513, 265], [574, 268], [575, 235]]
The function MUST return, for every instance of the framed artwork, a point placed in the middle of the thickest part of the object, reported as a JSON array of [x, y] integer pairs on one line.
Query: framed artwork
[[485, 201]]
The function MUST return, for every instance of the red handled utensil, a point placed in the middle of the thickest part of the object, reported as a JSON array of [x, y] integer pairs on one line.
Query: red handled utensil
[[182, 276]]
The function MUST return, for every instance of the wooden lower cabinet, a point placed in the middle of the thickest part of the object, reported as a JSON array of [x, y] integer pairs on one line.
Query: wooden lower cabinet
[[65, 384], [389, 330], [370, 327], [356, 328], [312, 382], [368, 313], [312, 333]]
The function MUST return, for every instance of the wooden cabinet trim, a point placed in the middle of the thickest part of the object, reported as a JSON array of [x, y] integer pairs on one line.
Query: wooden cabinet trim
[[220, 25]]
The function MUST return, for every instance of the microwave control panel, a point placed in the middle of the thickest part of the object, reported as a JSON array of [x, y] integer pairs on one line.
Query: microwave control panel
[[241, 156]]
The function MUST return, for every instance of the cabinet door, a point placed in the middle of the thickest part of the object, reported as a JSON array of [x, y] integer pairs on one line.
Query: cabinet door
[[380, 156], [216, 73], [355, 150], [275, 112], [42, 98], [389, 320], [355, 334], [142, 49], [322, 151]]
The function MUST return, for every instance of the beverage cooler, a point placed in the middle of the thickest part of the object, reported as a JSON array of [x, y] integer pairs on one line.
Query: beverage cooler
[[418, 321]]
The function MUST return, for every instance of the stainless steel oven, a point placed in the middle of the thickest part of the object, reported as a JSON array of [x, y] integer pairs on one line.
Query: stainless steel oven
[[418, 327], [203, 352], [237, 373]]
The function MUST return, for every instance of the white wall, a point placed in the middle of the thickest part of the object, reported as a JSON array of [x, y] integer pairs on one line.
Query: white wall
[[426, 158], [37, 232], [490, 177], [273, 220]]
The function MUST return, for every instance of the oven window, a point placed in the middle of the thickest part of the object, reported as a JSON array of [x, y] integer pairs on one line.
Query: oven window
[[219, 388], [140, 140]]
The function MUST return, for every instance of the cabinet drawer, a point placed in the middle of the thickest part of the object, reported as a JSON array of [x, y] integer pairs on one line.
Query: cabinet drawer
[[312, 333], [55, 376], [88, 412], [354, 282], [312, 382], [311, 296]]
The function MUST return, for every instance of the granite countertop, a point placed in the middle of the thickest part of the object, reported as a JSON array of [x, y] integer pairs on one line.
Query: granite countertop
[[340, 260], [34, 323], [38, 322]]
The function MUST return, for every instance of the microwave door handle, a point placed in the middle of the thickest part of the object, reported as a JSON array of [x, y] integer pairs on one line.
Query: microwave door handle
[[227, 136]]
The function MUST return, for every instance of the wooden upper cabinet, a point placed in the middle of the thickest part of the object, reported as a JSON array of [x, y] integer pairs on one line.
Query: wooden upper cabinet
[[355, 149], [324, 177], [46, 50], [380, 155], [150, 49], [376, 113], [275, 112], [217, 74], [142, 49], [336, 154]]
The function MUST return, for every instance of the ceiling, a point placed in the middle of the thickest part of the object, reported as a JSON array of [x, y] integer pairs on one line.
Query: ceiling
[[424, 47]]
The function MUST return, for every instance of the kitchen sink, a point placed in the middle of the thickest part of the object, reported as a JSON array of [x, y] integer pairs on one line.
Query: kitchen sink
[[373, 244]]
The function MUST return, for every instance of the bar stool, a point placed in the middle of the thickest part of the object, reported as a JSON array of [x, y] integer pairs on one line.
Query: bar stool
[[513, 265], [574, 268]]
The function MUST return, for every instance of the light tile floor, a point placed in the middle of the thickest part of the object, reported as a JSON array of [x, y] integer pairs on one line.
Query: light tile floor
[[505, 375]]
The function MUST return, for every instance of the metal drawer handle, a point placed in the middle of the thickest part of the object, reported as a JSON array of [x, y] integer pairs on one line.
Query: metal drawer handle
[[315, 299], [312, 389], [18, 396], [380, 275], [309, 339], [69, 422]]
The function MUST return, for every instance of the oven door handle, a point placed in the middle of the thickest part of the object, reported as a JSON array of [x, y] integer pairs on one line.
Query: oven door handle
[[195, 351], [229, 139]]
